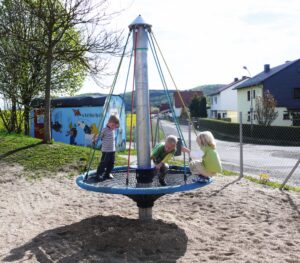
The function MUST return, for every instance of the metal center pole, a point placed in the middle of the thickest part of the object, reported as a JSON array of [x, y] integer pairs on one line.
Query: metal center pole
[[140, 39]]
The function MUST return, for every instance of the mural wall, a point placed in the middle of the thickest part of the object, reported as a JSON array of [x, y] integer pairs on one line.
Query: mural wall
[[79, 125]]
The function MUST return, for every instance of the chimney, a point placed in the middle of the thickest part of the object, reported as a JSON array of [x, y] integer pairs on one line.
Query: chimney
[[235, 79], [267, 68], [244, 77]]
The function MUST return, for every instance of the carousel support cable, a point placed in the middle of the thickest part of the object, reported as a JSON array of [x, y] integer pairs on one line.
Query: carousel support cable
[[151, 129], [185, 108], [168, 96], [166, 89], [126, 81], [106, 105], [132, 107]]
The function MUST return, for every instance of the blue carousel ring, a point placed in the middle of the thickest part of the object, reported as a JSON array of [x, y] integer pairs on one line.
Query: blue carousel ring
[[175, 182]]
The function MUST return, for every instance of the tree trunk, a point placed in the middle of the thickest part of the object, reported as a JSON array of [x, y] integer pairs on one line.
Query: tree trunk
[[13, 116], [26, 119], [47, 116]]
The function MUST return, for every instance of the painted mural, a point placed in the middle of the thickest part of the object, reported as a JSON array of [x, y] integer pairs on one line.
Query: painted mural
[[78, 126]]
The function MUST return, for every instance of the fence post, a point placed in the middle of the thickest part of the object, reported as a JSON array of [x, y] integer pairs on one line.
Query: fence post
[[290, 174], [241, 146], [190, 133]]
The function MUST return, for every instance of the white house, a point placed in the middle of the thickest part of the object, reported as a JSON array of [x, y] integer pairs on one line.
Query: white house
[[224, 101], [283, 83]]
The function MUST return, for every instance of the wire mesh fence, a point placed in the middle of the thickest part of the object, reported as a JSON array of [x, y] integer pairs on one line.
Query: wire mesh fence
[[267, 153]]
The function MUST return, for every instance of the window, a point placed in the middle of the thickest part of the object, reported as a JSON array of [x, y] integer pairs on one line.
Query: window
[[297, 93], [248, 119], [248, 95], [216, 99], [286, 116], [253, 94]]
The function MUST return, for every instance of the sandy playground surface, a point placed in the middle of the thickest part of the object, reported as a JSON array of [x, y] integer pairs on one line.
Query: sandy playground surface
[[52, 220]]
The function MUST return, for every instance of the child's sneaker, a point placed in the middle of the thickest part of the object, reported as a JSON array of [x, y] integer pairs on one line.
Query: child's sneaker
[[93, 179], [108, 176], [161, 180], [201, 179]]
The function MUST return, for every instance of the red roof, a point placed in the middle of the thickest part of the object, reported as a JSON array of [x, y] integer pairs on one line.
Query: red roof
[[164, 106], [187, 97]]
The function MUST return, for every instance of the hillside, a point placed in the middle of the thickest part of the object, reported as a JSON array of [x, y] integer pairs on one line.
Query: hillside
[[208, 89], [158, 97]]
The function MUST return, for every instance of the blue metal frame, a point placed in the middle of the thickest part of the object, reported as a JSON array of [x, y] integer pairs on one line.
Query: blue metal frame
[[140, 191]]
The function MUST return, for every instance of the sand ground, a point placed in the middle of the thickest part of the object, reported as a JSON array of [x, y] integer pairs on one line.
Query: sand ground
[[52, 220]]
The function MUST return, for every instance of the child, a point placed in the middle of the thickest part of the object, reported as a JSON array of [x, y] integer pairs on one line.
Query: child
[[108, 150], [210, 164], [162, 153]]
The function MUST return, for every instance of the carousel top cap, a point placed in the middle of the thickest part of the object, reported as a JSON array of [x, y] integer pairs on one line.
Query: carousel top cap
[[139, 21]]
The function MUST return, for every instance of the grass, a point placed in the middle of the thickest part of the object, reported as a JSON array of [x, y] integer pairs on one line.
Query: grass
[[40, 158], [272, 184]]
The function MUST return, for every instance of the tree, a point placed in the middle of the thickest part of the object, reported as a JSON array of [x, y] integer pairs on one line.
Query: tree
[[203, 108], [195, 106], [265, 109], [22, 62], [58, 21], [51, 45], [198, 107]]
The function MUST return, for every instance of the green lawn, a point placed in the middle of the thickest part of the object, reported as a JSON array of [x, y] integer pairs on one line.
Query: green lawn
[[41, 158]]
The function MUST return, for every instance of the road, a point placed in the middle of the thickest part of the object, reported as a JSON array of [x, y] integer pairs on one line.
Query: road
[[276, 161]]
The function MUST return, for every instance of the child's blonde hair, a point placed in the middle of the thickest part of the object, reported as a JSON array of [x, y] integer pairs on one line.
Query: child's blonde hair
[[206, 139], [171, 139]]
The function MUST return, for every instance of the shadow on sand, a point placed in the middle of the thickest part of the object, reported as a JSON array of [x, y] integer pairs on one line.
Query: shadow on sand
[[105, 239], [224, 187]]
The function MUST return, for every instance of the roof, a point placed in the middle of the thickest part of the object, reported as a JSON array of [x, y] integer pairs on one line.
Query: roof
[[235, 82], [187, 97], [259, 78], [164, 107], [77, 101]]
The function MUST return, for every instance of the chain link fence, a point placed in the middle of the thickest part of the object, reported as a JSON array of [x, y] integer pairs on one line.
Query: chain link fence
[[268, 152]]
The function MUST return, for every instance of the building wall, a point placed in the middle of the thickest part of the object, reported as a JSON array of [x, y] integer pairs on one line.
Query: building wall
[[244, 107], [280, 119], [228, 99], [233, 115], [79, 125], [225, 104], [177, 112]]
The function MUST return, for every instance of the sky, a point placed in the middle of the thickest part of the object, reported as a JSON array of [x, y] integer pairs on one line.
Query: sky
[[209, 42]]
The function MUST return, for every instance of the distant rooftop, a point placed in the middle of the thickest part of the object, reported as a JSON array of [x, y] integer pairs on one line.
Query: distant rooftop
[[236, 81], [76, 101], [267, 73]]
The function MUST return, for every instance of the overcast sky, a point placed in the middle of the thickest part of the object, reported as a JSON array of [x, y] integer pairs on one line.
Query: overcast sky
[[209, 42]]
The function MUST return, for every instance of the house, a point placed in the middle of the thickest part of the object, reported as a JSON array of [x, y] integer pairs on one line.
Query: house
[[223, 102], [185, 97], [283, 82], [164, 107], [75, 120]]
